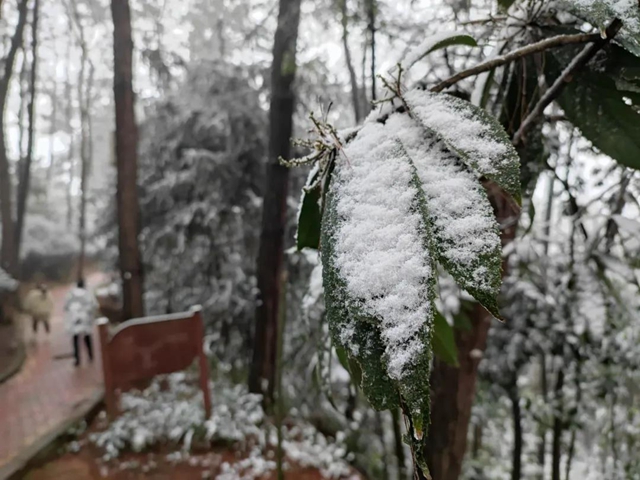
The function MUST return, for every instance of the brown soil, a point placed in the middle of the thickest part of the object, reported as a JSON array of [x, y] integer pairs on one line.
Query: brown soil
[[148, 466]]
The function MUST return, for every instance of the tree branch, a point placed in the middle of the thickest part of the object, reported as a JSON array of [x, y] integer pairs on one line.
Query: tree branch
[[553, 42], [576, 64]]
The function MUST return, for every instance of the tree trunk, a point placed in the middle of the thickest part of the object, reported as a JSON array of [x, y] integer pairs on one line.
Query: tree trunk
[[516, 459], [353, 79], [274, 212], [371, 14], [127, 163], [453, 389], [399, 444], [8, 250], [53, 128], [84, 93], [68, 118], [542, 427], [558, 427], [25, 171]]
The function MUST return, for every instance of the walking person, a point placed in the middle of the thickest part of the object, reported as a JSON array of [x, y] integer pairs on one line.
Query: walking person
[[39, 305], [80, 310]]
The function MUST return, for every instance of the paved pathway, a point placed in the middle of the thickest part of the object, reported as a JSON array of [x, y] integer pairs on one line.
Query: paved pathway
[[48, 391]]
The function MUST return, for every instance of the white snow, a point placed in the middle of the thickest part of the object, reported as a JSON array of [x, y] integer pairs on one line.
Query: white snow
[[458, 127], [464, 223], [7, 283], [380, 243]]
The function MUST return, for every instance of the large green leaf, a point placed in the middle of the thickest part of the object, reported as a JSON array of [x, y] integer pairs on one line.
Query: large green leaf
[[475, 135], [444, 342], [606, 116], [464, 232], [436, 42]]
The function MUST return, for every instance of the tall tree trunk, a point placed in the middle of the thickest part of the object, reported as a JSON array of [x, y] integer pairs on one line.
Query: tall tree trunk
[[25, 171], [274, 212], [453, 389], [544, 384], [516, 412], [353, 79], [399, 444], [8, 250], [558, 427], [84, 93], [127, 162], [371, 14], [53, 127], [68, 98]]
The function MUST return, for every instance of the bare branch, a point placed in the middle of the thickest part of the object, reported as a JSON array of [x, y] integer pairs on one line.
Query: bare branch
[[553, 42], [576, 64]]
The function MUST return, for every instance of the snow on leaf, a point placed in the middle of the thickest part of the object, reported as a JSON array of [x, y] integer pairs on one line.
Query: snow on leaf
[[464, 229], [376, 244], [472, 133]]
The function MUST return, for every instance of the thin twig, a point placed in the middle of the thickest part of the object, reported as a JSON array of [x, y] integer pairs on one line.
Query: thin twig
[[546, 44], [577, 63]]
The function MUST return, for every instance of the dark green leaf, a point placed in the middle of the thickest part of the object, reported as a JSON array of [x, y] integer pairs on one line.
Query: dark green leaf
[[505, 4], [600, 13], [606, 116], [309, 218], [434, 43], [444, 343]]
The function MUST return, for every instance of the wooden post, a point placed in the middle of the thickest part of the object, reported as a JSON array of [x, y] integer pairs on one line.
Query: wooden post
[[202, 360], [109, 390]]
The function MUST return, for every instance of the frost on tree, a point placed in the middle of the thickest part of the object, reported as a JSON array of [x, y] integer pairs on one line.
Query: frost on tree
[[397, 197]]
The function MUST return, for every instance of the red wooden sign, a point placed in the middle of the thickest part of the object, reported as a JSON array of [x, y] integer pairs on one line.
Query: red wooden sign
[[142, 348]]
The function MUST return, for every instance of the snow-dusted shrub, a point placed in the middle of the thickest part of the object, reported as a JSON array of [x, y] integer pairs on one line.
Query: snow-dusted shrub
[[48, 248], [175, 416]]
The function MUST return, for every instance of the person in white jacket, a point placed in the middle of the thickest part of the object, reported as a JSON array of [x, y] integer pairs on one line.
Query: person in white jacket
[[38, 304], [80, 311]]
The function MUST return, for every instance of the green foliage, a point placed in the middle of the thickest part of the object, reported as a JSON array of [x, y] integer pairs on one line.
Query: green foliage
[[601, 12], [444, 342], [308, 232], [603, 103], [435, 43]]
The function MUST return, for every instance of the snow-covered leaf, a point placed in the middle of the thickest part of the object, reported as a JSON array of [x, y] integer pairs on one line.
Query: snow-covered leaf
[[464, 230], [401, 198], [433, 43], [475, 135], [378, 269]]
